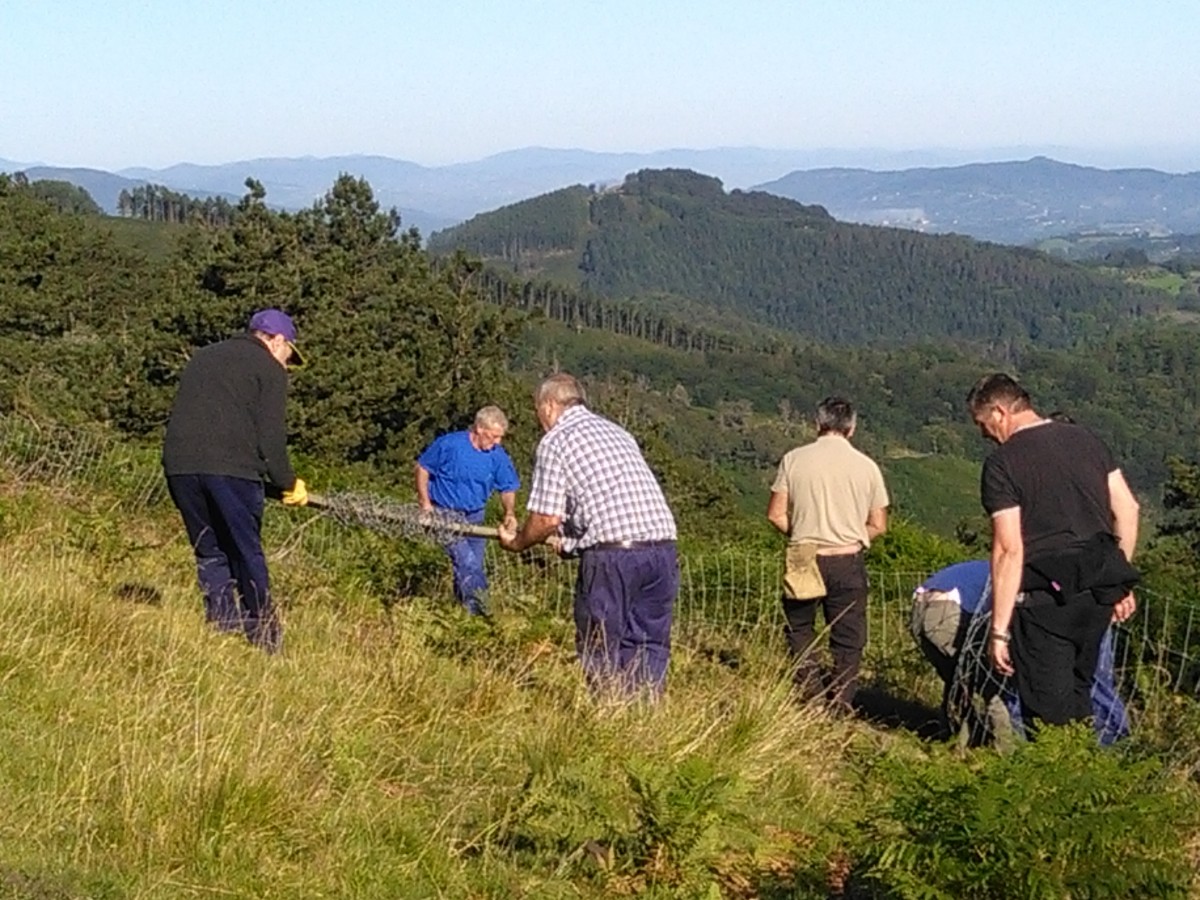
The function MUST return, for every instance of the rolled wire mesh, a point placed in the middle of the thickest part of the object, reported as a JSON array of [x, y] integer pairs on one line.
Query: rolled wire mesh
[[392, 518]]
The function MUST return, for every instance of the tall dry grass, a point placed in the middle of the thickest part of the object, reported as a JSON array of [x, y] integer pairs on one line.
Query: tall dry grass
[[389, 751]]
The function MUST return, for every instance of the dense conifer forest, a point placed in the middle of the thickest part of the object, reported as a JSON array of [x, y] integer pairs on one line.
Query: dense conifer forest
[[781, 264], [406, 344]]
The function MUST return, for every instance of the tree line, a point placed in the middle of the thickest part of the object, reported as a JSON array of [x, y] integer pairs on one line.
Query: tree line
[[157, 203], [656, 320]]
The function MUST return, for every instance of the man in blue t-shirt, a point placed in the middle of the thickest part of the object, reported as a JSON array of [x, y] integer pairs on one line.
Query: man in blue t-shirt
[[459, 471]]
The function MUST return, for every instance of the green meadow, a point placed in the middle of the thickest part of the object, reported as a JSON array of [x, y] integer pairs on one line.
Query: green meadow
[[399, 749]]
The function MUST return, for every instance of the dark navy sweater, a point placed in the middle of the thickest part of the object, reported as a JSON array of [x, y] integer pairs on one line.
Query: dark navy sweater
[[229, 415]]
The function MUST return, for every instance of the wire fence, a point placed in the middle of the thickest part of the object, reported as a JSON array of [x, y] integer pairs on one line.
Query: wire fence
[[62, 455], [730, 594], [736, 593]]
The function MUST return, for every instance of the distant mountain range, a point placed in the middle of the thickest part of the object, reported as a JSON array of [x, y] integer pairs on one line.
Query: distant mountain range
[[1009, 202], [1013, 202], [435, 197]]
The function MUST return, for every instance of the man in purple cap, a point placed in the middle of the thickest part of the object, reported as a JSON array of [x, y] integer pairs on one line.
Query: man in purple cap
[[226, 434]]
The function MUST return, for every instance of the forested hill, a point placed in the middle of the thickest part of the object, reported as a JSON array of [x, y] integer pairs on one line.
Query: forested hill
[[779, 263]]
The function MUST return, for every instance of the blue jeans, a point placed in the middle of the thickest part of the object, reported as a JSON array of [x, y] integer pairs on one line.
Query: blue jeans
[[223, 519], [624, 605], [1108, 712], [466, 562]]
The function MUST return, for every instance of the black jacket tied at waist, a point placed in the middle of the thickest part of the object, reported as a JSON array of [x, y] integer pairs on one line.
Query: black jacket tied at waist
[[1097, 566]]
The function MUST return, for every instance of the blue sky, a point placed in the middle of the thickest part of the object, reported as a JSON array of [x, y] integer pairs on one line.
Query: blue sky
[[124, 83]]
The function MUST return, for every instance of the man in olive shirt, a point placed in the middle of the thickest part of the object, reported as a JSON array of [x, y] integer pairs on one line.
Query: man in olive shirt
[[830, 496]]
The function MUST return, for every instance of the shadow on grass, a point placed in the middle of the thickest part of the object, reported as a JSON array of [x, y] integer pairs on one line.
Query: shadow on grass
[[878, 706], [18, 885]]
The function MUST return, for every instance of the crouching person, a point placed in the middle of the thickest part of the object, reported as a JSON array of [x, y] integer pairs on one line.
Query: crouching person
[[951, 623]]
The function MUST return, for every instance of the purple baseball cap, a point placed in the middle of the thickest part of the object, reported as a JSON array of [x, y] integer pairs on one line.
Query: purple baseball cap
[[276, 321]]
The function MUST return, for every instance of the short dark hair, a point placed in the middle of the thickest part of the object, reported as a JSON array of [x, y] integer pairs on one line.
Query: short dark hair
[[998, 389], [835, 414]]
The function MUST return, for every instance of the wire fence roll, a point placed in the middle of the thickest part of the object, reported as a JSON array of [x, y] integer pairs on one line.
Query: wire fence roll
[[396, 519]]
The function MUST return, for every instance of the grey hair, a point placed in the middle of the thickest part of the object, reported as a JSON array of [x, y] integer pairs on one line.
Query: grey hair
[[491, 418], [561, 389], [836, 414]]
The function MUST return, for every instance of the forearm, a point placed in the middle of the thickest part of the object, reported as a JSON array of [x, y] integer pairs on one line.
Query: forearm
[[536, 529], [777, 512], [1007, 567], [876, 523], [421, 480], [1125, 510], [1126, 534], [508, 503], [1125, 526], [272, 441]]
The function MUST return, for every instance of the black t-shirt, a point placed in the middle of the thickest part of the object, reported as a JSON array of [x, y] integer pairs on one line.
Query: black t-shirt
[[1058, 475]]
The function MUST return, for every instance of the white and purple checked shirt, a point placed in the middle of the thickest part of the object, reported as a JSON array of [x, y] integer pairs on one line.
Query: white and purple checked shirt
[[589, 472]]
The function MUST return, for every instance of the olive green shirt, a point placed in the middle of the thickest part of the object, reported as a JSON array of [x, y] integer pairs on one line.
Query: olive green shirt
[[830, 487]]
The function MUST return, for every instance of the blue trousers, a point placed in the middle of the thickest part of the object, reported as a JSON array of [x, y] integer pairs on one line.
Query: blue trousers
[[466, 562], [624, 604], [223, 519], [1108, 712]]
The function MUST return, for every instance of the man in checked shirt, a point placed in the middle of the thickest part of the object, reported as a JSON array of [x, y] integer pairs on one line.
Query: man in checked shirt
[[593, 494]]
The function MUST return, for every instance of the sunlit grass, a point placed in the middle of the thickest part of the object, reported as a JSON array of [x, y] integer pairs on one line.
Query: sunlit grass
[[402, 751]]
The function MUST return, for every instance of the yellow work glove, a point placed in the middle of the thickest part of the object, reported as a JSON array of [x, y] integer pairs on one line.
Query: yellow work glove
[[297, 496]]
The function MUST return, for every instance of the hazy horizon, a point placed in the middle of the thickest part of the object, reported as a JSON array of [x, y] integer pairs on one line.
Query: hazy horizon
[[1179, 160], [128, 84]]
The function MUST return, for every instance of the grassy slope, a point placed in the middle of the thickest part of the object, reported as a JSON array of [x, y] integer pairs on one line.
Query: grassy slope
[[403, 753], [396, 748]]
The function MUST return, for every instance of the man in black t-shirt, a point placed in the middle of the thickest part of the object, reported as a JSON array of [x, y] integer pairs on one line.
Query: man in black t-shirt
[[1064, 525]]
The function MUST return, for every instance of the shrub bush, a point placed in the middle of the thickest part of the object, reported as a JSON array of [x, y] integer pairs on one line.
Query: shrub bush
[[1059, 817]]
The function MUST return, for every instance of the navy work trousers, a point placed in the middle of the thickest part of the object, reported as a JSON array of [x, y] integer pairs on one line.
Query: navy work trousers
[[223, 519], [466, 562], [624, 603]]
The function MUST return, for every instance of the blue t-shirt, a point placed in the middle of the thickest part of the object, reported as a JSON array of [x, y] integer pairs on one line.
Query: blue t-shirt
[[969, 578], [461, 477]]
